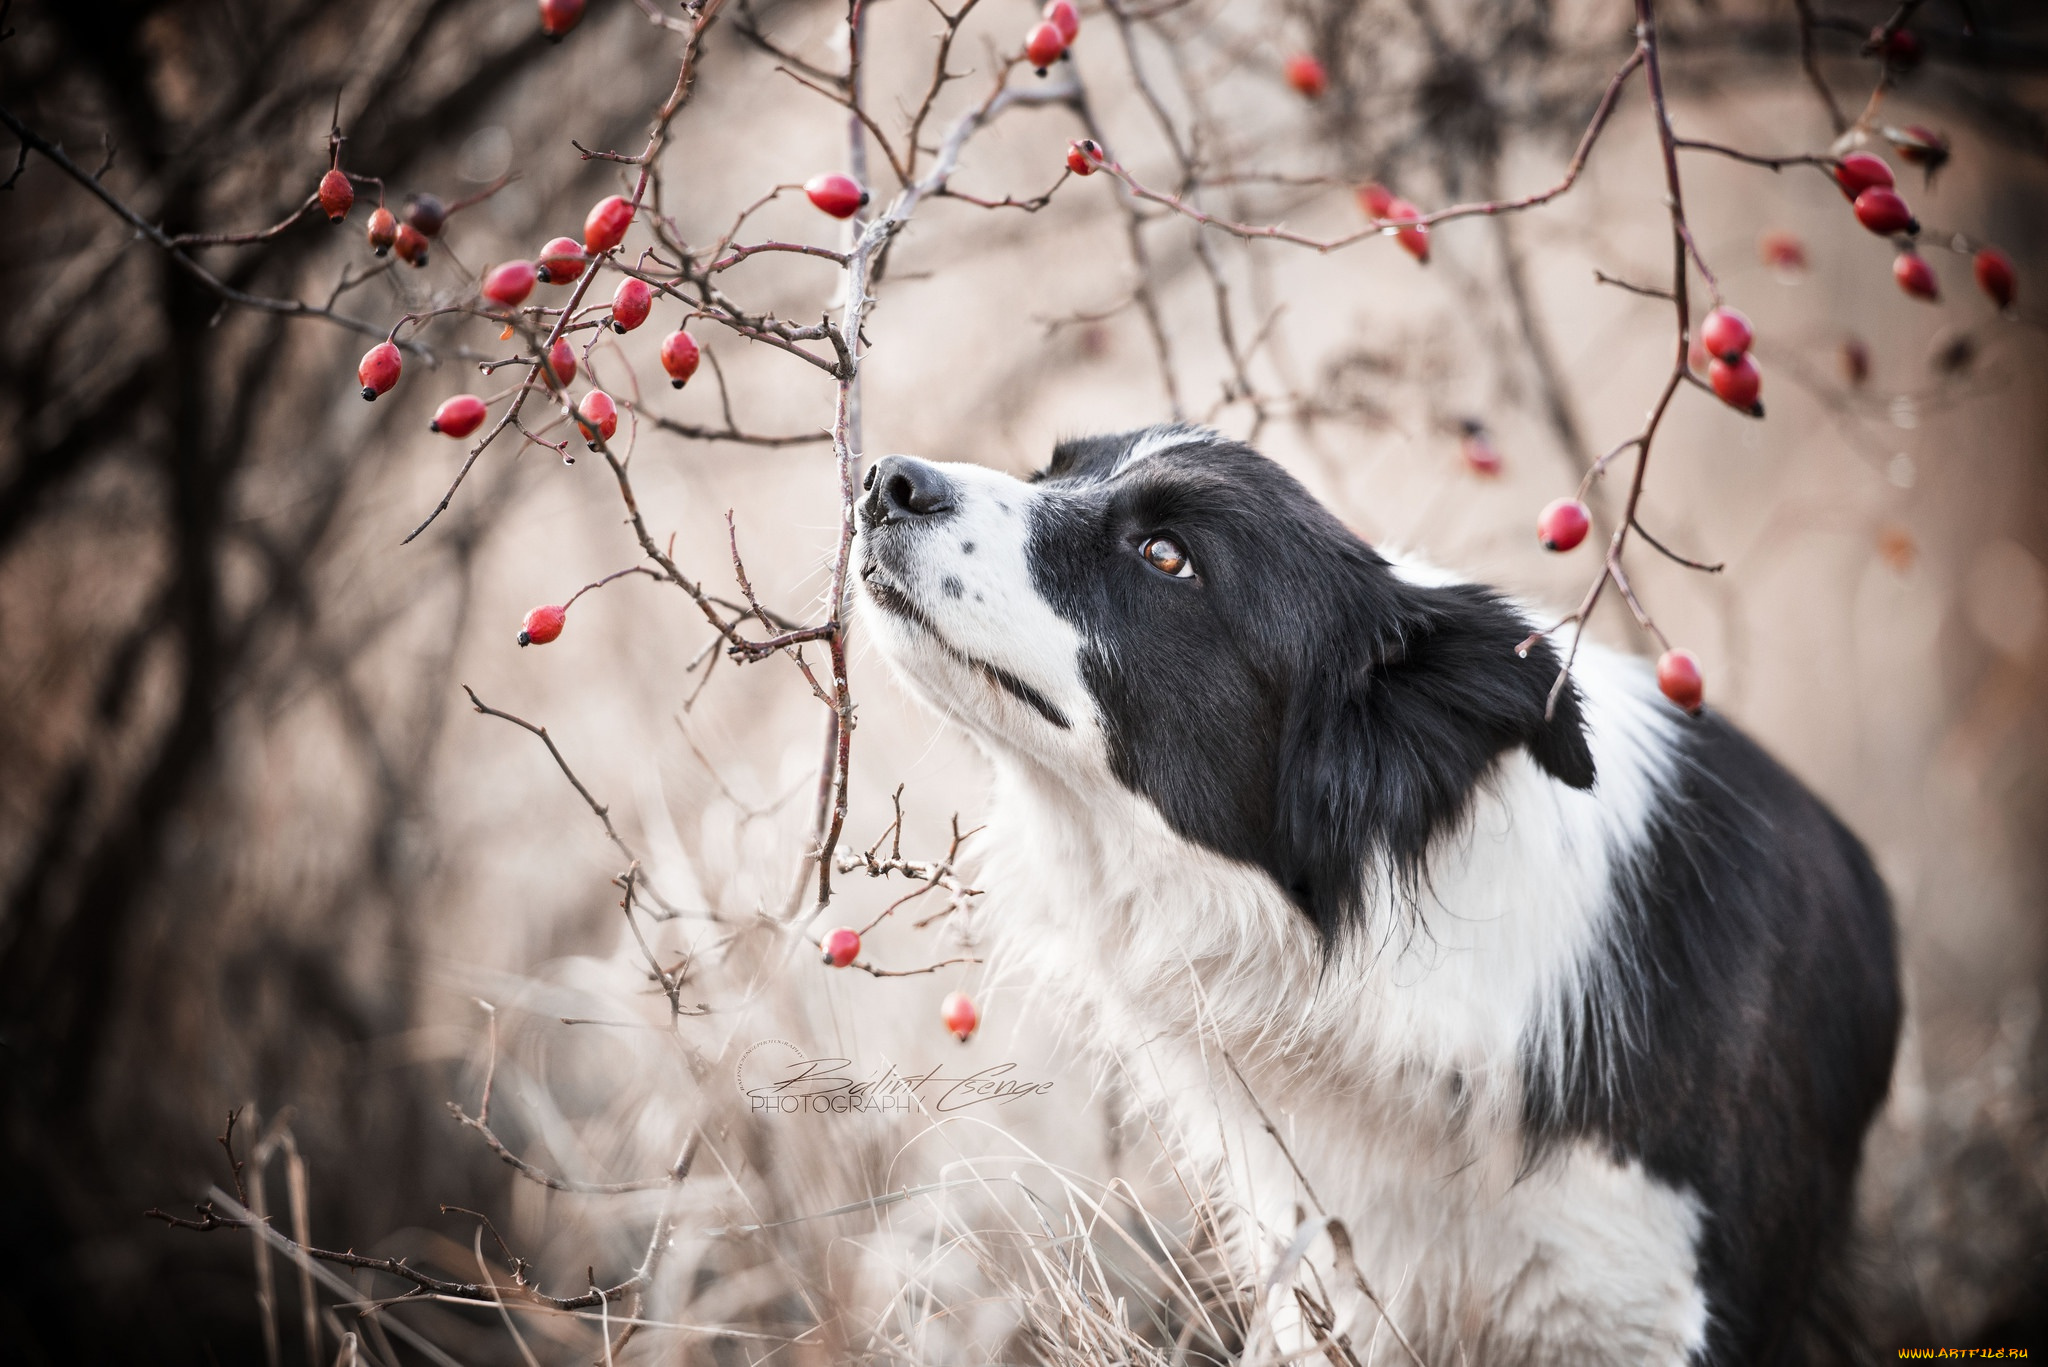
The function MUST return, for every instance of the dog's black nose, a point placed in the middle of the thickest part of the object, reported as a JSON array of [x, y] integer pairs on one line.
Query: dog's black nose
[[902, 488]]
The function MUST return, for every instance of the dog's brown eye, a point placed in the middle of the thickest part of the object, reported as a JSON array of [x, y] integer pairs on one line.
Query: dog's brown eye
[[1167, 557]]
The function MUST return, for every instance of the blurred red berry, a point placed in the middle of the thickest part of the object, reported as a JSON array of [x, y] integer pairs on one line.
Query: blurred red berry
[[1915, 276], [1084, 156], [1043, 46], [1062, 15], [562, 362], [557, 17], [1482, 457], [679, 357], [842, 946], [427, 213], [1781, 251], [960, 1015], [1376, 199], [1903, 49], [1414, 238], [411, 245], [383, 230], [542, 625], [459, 416], [1995, 276], [1726, 333], [1679, 679], [604, 227], [561, 261], [1884, 213], [1859, 171], [1306, 75], [1919, 145], [1737, 383], [1563, 524], [336, 194], [379, 369], [598, 416], [510, 283], [631, 303], [839, 196]]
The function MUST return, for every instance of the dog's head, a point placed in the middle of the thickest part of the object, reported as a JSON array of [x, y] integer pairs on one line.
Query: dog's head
[[1171, 609]]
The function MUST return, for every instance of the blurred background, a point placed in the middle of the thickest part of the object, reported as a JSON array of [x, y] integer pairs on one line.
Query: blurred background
[[258, 852]]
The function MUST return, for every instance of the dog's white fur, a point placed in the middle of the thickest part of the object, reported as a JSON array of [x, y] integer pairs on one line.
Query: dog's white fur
[[1393, 1075]]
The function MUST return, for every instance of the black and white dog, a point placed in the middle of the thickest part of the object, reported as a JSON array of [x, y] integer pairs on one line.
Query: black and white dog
[[1577, 1023]]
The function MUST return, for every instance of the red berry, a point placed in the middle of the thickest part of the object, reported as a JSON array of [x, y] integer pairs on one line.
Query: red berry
[[557, 17], [1781, 251], [959, 1014], [604, 227], [1043, 46], [1062, 15], [1376, 199], [1884, 213], [1479, 451], [1903, 49], [1414, 238], [411, 245], [1678, 678], [543, 624], [842, 947], [1306, 75], [839, 196], [1084, 156], [1727, 333], [383, 230], [1915, 276], [598, 416], [1995, 276], [1563, 524], [1737, 383], [336, 195], [379, 369], [459, 416], [630, 305], [679, 356], [510, 283], [561, 261], [562, 361], [427, 213], [1859, 171]]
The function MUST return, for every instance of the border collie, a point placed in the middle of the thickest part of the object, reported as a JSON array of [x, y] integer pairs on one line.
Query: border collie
[[1576, 1020]]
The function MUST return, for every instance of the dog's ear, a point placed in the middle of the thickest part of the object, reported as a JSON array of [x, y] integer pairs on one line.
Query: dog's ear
[[1387, 738]]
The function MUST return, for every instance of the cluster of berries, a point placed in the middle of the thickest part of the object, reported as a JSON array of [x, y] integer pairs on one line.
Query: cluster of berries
[[1058, 25]]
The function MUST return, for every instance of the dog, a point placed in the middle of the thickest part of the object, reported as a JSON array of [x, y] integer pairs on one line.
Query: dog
[[1569, 1010]]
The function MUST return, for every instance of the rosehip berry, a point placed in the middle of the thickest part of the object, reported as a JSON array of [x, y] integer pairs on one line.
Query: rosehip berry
[[1915, 276], [1062, 15], [839, 196], [383, 230], [960, 1015], [557, 17], [379, 370], [1306, 75], [630, 305], [1563, 524], [510, 283], [562, 362], [1043, 46], [1995, 276], [604, 227], [1084, 156], [1727, 333], [598, 416], [1781, 251], [1678, 678], [543, 624], [411, 245], [1737, 383], [1903, 49], [336, 194], [1884, 213], [459, 416], [561, 261], [1859, 171], [1480, 454], [842, 946], [1376, 199], [1414, 238], [427, 213], [679, 357]]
